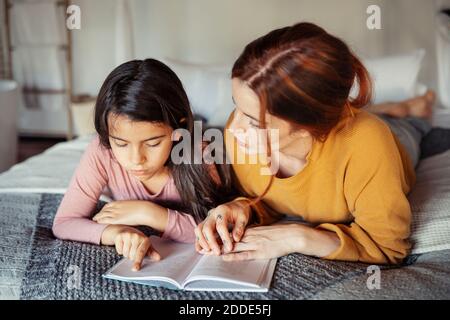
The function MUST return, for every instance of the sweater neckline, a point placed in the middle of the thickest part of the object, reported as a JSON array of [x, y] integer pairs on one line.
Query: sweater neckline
[[310, 160]]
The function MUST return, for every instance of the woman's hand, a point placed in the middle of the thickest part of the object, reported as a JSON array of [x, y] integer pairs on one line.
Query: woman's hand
[[236, 214], [131, 243], [133, 213], [282, 239]]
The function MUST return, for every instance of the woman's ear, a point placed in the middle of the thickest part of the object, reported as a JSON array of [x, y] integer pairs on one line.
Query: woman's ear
[[176, 135], [301, 133], [304, 133]]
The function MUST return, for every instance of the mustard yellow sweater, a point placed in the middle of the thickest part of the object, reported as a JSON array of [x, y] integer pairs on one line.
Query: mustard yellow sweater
[[354, 184]]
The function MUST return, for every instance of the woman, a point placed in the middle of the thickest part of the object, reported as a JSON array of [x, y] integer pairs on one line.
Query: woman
[[339, 167]]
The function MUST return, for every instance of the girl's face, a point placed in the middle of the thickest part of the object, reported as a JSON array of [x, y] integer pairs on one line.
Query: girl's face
[[246, 118], [142, 148]]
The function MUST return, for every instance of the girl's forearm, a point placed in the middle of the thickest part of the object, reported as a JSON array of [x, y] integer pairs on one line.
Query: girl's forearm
[[156, 217], [109, 234]]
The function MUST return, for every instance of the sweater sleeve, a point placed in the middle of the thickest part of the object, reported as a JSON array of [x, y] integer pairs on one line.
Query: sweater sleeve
[[375, 189], [180, 227], [73, 218]]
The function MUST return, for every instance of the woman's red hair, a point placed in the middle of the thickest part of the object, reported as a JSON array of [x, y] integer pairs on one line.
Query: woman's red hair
[[304, 75]]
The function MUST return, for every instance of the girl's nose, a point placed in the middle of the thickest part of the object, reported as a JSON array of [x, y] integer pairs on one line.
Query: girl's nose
[[137, 157]]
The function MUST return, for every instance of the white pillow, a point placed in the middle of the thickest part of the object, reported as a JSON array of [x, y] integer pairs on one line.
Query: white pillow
[[208, 88], [395, 77]]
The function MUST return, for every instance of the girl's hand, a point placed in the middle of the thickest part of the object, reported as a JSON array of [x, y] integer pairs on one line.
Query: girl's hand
[[131, 243], [133, 213], [282, 239], [235, 213]]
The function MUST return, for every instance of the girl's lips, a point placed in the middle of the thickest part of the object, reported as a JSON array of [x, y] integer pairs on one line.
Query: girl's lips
[[138, 172]]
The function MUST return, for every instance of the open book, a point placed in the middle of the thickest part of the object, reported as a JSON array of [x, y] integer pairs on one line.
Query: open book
[[181, 267]]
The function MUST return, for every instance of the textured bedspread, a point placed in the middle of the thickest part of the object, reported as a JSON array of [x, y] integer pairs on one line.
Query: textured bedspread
[[37, 266], [34, 265]]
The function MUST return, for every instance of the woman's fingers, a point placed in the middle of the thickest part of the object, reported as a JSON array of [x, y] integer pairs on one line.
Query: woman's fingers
[[217, 223], [241, 246], [239, 227], [239, 256], [200, 238], [222, 229], [198, 247], [248, 238], [209, 229]]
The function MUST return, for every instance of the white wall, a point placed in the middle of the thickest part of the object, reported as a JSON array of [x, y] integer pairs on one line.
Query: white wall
[[215, 31]]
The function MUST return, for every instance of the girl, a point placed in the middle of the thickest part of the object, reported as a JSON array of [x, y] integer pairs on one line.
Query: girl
[[138, 108], [340, 168]]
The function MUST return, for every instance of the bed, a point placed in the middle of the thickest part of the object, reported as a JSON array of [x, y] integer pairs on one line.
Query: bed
[[35, 265]]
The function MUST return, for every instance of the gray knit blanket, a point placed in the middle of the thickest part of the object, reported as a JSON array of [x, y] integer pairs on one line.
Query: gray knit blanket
[[35, 265]]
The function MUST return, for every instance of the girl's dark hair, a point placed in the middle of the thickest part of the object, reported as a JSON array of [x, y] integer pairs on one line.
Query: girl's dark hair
[[148, 90]]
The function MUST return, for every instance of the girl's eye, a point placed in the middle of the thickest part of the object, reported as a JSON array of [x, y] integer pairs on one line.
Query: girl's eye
[[120, 145], [153, 145], [254, 125]]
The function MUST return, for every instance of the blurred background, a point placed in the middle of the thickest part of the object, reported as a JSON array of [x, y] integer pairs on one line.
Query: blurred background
[[50, 74]]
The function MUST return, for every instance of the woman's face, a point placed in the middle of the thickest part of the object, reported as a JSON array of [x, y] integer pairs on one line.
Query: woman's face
[[246, 122], [141, 148]]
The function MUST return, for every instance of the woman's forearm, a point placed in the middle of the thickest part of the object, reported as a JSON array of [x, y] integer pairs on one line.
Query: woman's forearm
[[315, 242]]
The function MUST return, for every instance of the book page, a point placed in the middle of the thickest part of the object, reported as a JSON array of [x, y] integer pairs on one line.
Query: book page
[[216, 285], [210, 267], [177, 261]]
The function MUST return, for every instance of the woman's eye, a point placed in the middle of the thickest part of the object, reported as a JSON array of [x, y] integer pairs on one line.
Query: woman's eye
[[153, 145], [254, 125]]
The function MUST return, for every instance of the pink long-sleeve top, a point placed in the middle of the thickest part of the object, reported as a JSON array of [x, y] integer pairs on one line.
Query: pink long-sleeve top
[[99, 170]]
